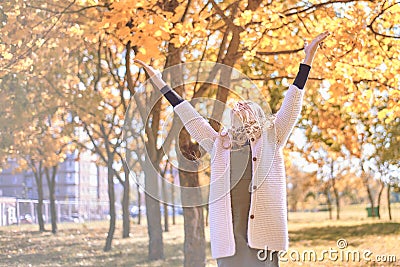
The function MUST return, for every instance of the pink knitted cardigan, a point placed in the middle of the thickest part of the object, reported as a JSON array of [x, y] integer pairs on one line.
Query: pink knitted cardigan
[[267, 221]]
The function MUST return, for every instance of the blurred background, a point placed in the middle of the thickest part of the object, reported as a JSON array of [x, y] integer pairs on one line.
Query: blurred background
[[67, 80]]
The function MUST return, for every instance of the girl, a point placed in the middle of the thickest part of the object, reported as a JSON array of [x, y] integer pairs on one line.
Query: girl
[[248, 226]]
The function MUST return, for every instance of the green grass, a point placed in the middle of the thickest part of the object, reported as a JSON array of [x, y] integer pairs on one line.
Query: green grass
[[82, 244]]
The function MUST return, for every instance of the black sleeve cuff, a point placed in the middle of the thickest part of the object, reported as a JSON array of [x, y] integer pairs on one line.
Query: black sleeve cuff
[[302, 75], [171, 95]]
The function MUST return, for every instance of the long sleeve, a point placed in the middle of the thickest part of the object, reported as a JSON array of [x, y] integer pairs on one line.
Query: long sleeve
[[288, 114], [290, 110], [302, 75], [197, 126]]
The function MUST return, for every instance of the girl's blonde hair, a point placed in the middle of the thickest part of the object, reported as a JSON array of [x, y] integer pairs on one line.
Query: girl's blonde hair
[[254, 122]]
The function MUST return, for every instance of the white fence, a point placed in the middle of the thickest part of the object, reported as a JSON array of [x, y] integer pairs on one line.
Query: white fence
[[21, 211]]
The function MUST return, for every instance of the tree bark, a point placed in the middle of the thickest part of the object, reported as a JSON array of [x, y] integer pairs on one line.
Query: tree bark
[[337, 197], [388, 201], [153, 213], [51, 182], [328, 201], [165, 205], [152, 159], [379, 198], [166, 224], [370, 197], [335, 192], [111, 198], [40, 205], [173, 199], [38, 173], [125, 203], [139, 203], [207, 213], [194, 243], [365, 179]]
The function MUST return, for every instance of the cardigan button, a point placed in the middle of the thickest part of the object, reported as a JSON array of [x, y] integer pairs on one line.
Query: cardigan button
[[252, 139], [254, 159], [251, 216], [254, 187]]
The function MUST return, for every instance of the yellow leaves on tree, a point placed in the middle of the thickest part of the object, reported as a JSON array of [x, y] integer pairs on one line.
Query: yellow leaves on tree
[[131, 21], [360, 58], [31, 28], [148, 25]]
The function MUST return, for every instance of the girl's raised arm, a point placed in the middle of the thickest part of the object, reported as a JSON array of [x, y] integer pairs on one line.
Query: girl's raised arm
[[289, 112], [195, 124]]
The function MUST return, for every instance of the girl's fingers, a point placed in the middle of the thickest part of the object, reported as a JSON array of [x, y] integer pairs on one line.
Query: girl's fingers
[[147, 67], [140, 62], [324, 35], [150, 71]]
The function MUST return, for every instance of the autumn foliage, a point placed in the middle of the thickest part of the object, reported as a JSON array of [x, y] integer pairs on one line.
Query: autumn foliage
[[67, 64]]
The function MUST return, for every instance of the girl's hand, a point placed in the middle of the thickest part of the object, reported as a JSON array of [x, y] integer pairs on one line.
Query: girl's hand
[[150, 71], [154, 75], [311, 48]]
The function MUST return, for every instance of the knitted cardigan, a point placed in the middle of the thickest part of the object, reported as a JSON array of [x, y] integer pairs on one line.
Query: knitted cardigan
[[267, 221]]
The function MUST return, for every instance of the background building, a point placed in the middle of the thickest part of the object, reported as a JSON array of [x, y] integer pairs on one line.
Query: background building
[[81, 190], [77, 179]]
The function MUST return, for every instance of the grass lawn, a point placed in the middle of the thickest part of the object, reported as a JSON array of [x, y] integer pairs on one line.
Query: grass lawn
[[82, 244]]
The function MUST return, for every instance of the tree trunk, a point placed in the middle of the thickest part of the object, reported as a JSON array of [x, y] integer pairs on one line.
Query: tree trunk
[[153, 213], [328, 199], [379, 198], [207, 212], [125, 203], [337, 198], [388, 201], [335, 192], [53, 211], [371, 199], [329, 202], [287, 210], [152, 159], [194, 243], [40, 209], [329, 206], [39, 184], [365, 179], [139, 203], [166, 224], [111, 198], [165, 206], [51, 182], [173, 200]]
